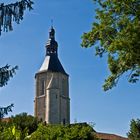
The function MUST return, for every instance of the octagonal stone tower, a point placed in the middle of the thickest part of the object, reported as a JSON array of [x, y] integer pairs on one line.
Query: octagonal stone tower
[[52, 102]]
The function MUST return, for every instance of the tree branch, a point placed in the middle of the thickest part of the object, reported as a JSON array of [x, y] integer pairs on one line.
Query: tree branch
[[13, 12]]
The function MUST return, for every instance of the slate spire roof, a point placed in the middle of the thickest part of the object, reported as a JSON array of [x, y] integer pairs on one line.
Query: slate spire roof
[[51, 62]]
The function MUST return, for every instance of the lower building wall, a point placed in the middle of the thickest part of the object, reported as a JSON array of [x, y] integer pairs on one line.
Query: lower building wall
[[40, 108], [53, 101], [53, 106]]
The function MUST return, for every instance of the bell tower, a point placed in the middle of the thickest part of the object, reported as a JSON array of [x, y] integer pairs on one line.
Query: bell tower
[[52, 102]]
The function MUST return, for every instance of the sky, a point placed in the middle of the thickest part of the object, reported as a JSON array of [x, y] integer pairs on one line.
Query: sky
[[111, 111]]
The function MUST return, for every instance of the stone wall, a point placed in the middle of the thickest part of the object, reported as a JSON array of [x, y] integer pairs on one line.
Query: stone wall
[[52, 104]]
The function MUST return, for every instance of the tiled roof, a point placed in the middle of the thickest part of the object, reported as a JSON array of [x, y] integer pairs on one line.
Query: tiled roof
[[105, 136], [5, 119], [52, 63]]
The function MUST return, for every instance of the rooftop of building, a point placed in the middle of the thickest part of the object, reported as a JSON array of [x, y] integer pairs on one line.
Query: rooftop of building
[[107, 136]]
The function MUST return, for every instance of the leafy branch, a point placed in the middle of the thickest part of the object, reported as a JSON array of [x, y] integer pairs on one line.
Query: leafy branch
[[13, 12], [116, 33], [4, 110], [6, 73]]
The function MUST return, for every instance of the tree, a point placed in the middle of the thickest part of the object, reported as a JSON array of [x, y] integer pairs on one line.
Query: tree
[[8, 14], [116, 33], [4, 110], [60, 132], [10, 133], [13, 12], [18, 127], [134, 133], [5, 74], [23, 126], [24, 121]]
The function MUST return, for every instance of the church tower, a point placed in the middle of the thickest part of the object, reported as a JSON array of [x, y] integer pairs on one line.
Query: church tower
[[52, 102]]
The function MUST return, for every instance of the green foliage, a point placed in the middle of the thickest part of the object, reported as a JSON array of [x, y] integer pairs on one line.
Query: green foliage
[[4, 110], [10, 133], [13, 12], [60, 132], [24, 122], [116, 32], [23, 126], [6, 73], [8, 14], [134, 133], [18, 127]]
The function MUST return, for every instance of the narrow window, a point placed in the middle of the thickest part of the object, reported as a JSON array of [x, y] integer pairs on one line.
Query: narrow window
[[63, 87], [64, 121], [42, 86]]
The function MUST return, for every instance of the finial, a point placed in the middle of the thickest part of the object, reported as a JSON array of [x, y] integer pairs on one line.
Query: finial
[[52, 31]]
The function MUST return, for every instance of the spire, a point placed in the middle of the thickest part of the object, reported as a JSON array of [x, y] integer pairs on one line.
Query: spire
[[51, 47], [51, 62]]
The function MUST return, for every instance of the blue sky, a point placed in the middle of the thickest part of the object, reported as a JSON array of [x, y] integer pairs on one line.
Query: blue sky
[[25, 46]]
